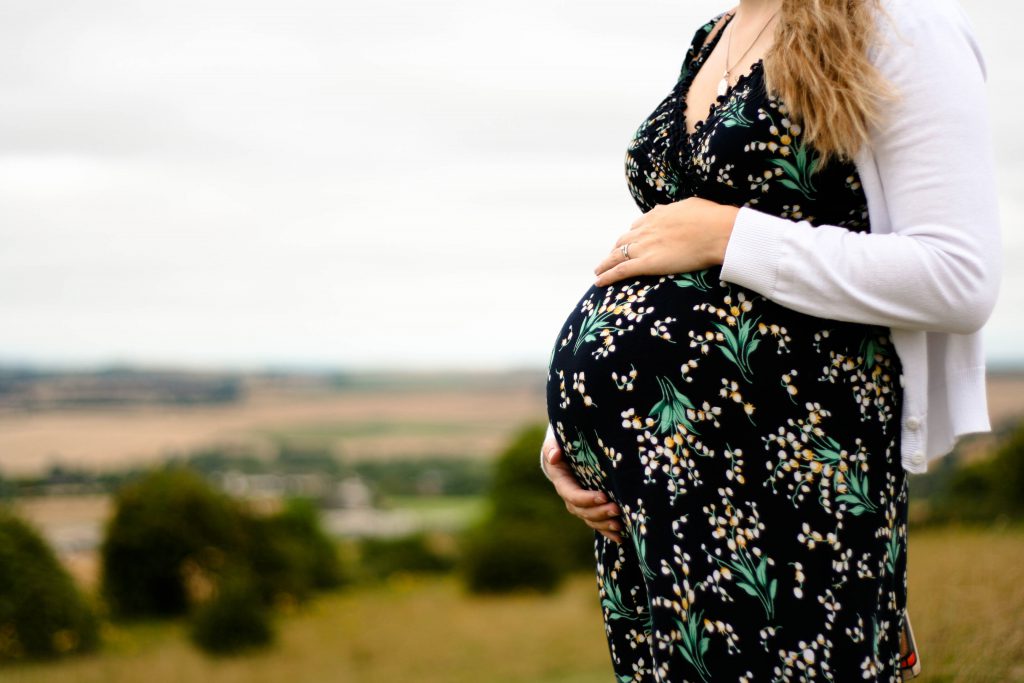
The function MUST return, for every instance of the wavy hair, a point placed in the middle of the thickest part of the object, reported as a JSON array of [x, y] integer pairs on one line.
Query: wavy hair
[[819, 66]]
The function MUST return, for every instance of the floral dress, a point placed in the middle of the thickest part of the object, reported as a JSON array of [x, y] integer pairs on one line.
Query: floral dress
[[753, 449]]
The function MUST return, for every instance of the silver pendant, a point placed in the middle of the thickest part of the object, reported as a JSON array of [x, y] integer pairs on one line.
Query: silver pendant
[[723, 85]]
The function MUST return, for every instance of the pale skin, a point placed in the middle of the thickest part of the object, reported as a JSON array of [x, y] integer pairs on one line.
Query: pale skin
[[691, 234]]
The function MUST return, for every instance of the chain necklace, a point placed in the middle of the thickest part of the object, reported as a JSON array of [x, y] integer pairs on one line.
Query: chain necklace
[[723, 85]]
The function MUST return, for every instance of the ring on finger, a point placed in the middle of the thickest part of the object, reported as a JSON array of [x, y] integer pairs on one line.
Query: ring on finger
[[625, 251]]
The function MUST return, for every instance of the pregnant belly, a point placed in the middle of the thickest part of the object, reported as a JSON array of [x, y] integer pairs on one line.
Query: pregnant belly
[[677, 355]]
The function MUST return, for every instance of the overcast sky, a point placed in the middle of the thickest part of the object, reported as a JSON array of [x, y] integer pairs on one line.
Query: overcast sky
[[331, 183]]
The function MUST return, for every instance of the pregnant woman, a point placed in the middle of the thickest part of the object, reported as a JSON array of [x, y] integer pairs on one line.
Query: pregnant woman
[[788, 331]]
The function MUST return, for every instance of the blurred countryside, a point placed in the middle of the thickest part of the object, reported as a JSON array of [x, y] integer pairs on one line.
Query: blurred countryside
[[452, 551]]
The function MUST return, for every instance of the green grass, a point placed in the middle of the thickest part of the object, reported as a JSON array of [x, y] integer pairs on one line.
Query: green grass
[[966, 598], [441, 512]]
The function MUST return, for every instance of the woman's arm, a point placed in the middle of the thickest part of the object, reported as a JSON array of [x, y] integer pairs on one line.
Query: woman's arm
[[939, 268]]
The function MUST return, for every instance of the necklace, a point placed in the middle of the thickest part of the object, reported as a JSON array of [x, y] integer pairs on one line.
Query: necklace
[[723, 85]]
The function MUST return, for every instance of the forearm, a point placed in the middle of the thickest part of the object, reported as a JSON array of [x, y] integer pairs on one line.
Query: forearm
[[911, 281]]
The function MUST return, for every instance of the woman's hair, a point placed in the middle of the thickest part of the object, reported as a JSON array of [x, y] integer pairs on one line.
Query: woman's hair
[[818, 65]]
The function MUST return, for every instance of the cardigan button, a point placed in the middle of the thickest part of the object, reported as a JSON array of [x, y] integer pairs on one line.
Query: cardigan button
[[917, 458], [913, 423]]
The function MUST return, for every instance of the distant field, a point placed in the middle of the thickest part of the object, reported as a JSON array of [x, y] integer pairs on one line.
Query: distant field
[[379, 420], [966, 598], [466, 420]]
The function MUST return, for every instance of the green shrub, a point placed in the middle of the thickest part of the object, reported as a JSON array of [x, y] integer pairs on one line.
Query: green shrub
[[171, 526], [168, 518], [528, 539], [503, 556], [42, 613], [290, 554], [281, 565], [300, 520], [986, 490], [235, 619], [382, 557], [520, 492]]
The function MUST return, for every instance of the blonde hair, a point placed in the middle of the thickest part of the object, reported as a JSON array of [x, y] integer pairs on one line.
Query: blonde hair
[[818, 66]]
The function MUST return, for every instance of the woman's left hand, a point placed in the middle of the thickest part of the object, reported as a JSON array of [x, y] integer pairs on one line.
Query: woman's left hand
[[681, 237]]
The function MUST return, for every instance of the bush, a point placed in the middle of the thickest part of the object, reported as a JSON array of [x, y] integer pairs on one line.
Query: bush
[[167, 519], [382, 557], [172, 532], [986, 490], [235, 619], [528, 539], [300, 520], [500, 556], [42, 612], [289, 553], [519, 491]]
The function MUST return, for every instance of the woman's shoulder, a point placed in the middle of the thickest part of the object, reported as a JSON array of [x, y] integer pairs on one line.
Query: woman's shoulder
[[917, 27], [701, 37], [919, 14]]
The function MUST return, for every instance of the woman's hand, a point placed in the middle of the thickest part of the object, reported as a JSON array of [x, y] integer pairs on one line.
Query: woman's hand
[[681, 237], [590, 506]]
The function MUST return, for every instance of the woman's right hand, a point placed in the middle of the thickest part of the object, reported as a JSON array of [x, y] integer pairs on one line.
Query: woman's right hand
[[590, 506]]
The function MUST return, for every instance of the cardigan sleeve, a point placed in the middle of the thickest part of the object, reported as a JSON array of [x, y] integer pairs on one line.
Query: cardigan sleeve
[[938, 269]]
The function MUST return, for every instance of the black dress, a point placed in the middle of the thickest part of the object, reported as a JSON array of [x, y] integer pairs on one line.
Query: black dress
[[753, 450]]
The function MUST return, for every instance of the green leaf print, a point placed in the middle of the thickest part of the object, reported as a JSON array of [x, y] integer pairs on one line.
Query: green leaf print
[[751, 579], [670, 411], [827, 451], [874, 635], [740, 344], [747, 587], [616, 607], [732, 115], [640, 545], [756, 583], [857, 496], [593, 325], [749, 568], [697, 279], [893, 552], [871, 348], [829, 454], [585, 456], [694, 644], [799, 171]]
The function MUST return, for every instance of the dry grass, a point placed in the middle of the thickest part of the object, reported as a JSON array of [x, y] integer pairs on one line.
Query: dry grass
[[109, 438], [966, 598], [408, 631], [966, 601]]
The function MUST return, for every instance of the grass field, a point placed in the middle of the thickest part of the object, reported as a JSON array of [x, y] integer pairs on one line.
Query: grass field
[[966, 601]]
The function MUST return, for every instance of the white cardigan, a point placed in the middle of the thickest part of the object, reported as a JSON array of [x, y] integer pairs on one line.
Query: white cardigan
[[930, 267]]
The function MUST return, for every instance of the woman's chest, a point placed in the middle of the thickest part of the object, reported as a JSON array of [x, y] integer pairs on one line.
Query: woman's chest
[[746, 151]]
